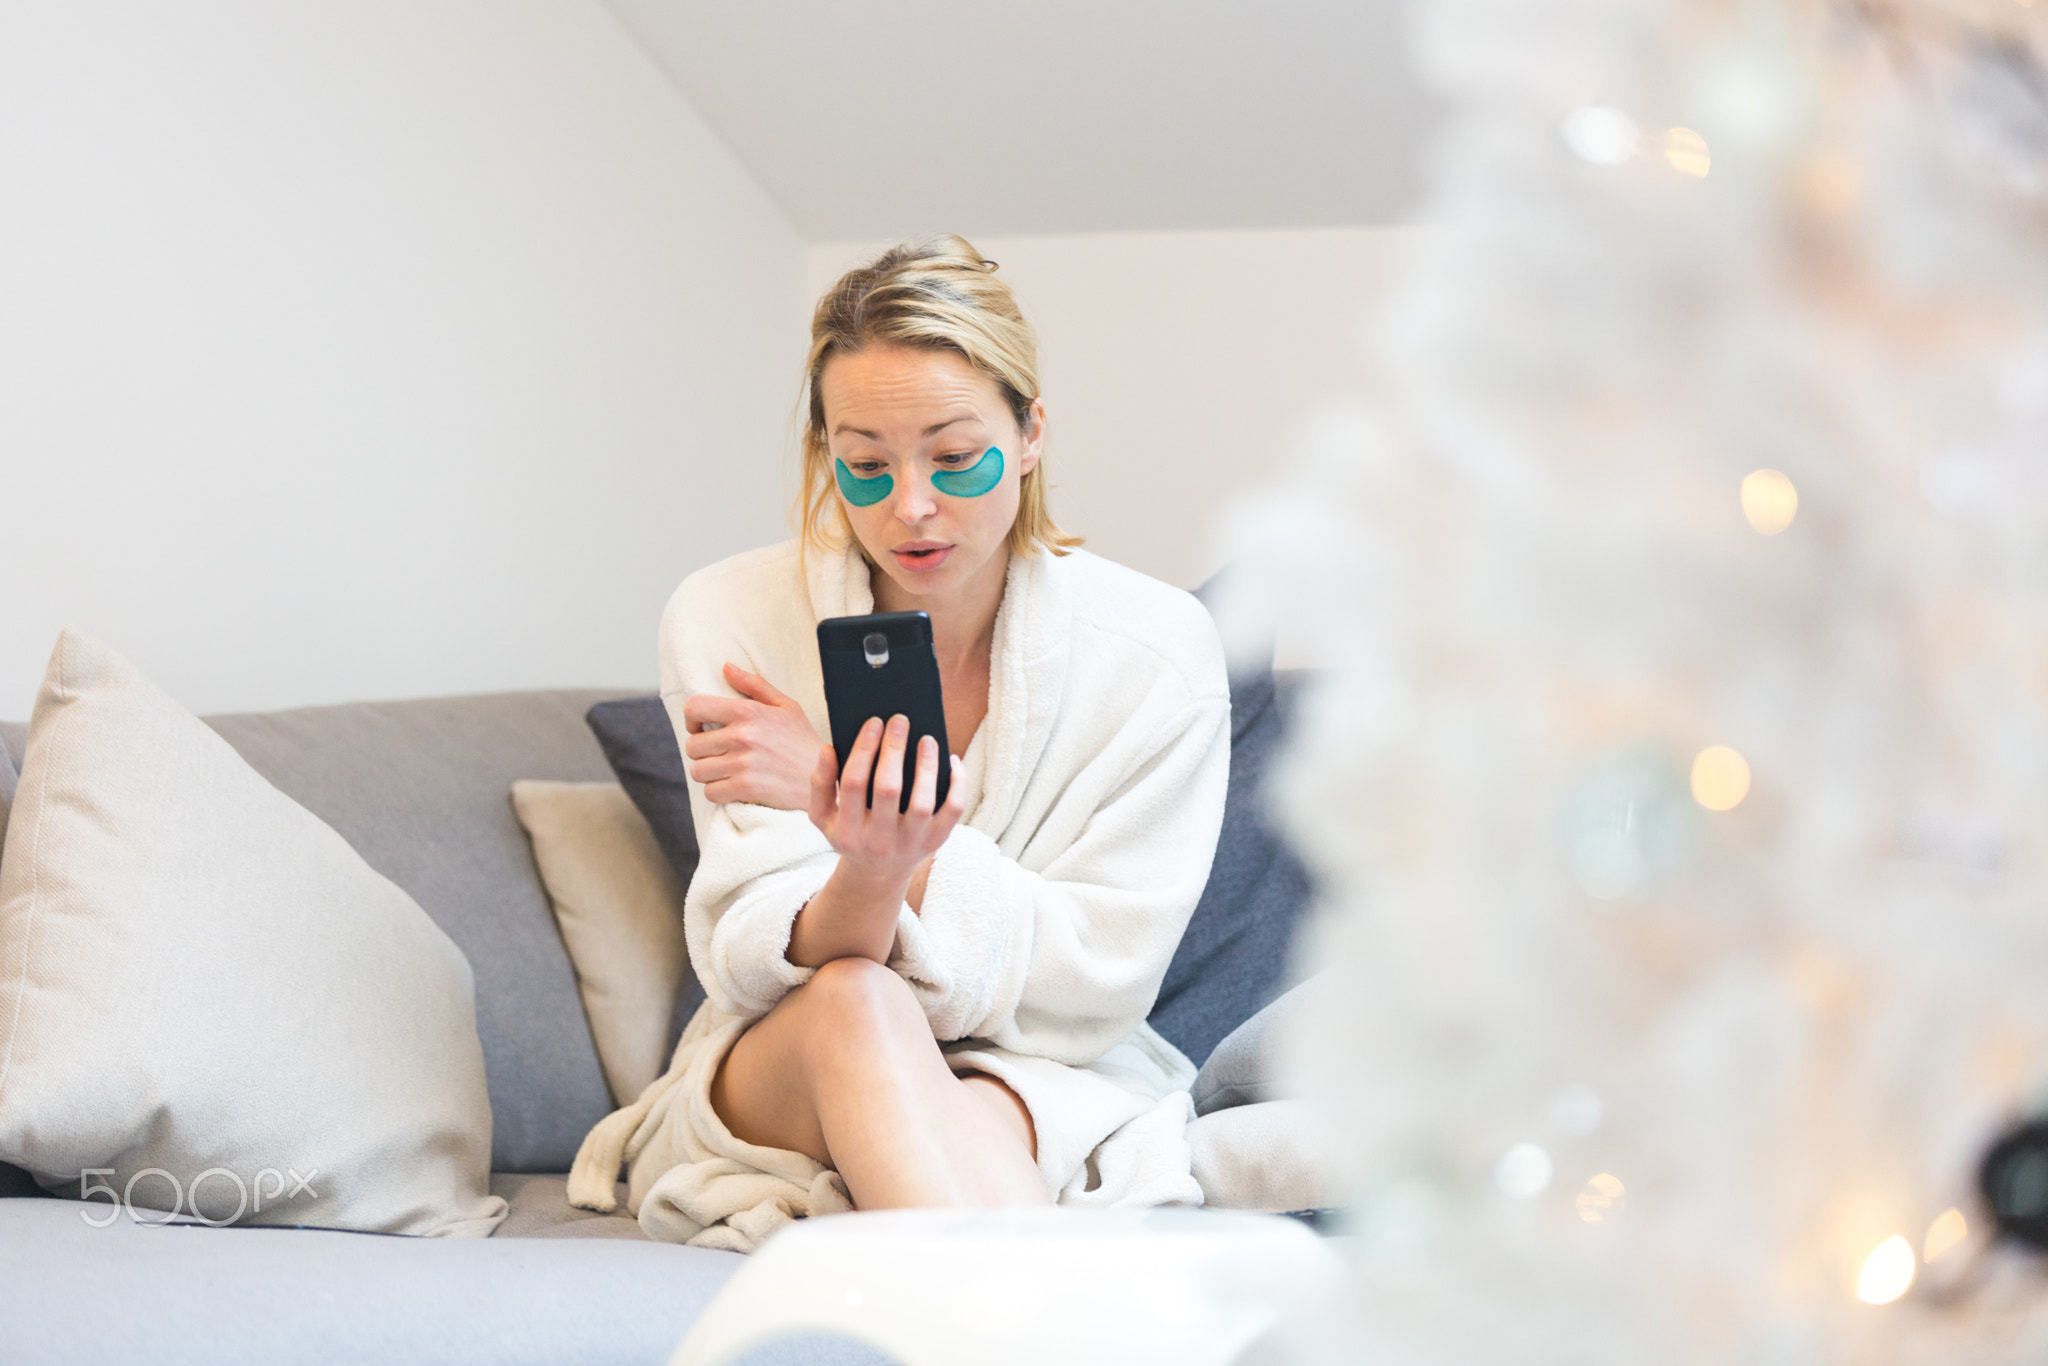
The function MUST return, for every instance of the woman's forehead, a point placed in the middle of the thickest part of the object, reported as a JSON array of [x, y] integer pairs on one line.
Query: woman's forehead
[[898, 393]]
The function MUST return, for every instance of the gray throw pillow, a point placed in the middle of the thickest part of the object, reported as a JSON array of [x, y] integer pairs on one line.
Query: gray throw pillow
[[1232, 958]]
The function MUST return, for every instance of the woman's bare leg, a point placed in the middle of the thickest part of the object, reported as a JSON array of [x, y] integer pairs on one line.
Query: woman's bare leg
[[845, 1070]]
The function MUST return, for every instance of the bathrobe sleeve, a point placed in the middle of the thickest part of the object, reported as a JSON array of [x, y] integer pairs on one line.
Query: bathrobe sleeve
[[1058, 952], [756, 866]]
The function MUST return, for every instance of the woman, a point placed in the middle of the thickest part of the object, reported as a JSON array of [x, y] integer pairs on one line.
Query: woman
[[943, 1006]]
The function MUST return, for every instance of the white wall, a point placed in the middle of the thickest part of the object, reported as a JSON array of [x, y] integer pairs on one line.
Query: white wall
[[1178, 366], [358, 348]]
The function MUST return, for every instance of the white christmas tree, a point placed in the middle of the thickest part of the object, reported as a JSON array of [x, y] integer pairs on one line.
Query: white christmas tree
[[1678, 790]]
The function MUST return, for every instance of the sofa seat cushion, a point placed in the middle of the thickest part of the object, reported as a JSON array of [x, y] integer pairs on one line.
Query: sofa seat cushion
[[193, 1296], [204, 1295], [539, 1208]]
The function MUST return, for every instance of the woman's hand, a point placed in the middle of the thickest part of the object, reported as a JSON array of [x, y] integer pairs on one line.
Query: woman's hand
[[881, 840], [882, 851], [757, 747]]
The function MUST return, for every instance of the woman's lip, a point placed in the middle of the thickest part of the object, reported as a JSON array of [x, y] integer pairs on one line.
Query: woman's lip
[[922, 555]]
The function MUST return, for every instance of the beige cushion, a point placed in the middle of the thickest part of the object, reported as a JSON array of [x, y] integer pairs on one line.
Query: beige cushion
[[204, 989], [620, 907]]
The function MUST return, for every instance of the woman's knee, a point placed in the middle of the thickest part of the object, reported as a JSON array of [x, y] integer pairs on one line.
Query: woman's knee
[[859, 1002]]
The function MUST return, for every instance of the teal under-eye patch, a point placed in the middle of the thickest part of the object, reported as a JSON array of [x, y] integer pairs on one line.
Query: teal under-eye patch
[[977, 479], [862, 492]]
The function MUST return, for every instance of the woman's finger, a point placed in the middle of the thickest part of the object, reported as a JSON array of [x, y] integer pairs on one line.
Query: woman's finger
[[754, 686], [860, 765], [720, 792], [889, 765], [703, 744], [705, 772], [924, 790], [709, 709]]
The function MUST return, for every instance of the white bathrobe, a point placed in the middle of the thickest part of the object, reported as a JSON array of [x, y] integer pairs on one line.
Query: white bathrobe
[[1094, 793]]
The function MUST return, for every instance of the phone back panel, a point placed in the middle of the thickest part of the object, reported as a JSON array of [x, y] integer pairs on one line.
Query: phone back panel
[[883, 665]]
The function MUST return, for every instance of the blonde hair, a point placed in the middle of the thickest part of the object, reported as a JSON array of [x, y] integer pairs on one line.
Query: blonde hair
[[937, 294]]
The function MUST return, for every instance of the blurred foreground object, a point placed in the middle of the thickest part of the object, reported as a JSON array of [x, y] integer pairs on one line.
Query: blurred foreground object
[[1679, 788], [1076, 1287]]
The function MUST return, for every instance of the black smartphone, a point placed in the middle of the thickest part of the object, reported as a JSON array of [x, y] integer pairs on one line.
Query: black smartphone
[[883, 665]]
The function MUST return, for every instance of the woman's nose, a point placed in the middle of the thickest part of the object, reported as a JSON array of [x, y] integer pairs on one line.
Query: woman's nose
[[919, 502]]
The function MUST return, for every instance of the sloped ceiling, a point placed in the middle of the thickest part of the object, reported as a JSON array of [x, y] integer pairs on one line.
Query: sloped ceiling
[[877, 118]]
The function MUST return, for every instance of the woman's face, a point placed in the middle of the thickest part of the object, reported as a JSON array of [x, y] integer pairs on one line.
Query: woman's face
[[915, 437]]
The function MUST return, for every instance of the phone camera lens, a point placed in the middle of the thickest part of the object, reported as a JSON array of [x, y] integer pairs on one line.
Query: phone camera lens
[[875, 646]]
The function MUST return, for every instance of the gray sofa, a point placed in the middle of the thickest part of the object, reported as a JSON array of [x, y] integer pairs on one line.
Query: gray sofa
[[420, 789]]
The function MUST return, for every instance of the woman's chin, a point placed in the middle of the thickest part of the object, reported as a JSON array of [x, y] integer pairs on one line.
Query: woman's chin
[[928, 576], [921, 583]]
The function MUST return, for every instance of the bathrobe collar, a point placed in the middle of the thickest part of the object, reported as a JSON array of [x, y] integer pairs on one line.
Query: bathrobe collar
[[1027, 667]]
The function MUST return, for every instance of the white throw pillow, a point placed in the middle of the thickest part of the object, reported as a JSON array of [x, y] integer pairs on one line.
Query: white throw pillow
[[208, 1001], [620, 907], [1268, 1156]]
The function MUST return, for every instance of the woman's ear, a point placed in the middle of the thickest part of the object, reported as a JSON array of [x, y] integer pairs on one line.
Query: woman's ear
[[1032, 437]]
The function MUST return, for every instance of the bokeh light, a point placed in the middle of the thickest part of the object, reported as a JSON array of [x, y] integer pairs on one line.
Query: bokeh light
[[1947, 1233], [1720, 778], [1687, 152], [1602, 1198], [1600, 134], [1887, 1272], [1524, 1172], [1769, 501]]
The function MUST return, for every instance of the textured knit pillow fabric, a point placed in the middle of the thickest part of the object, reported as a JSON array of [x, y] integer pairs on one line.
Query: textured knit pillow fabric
[[639, 742], [620, 907], [208, 1001], [1232, 958]]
